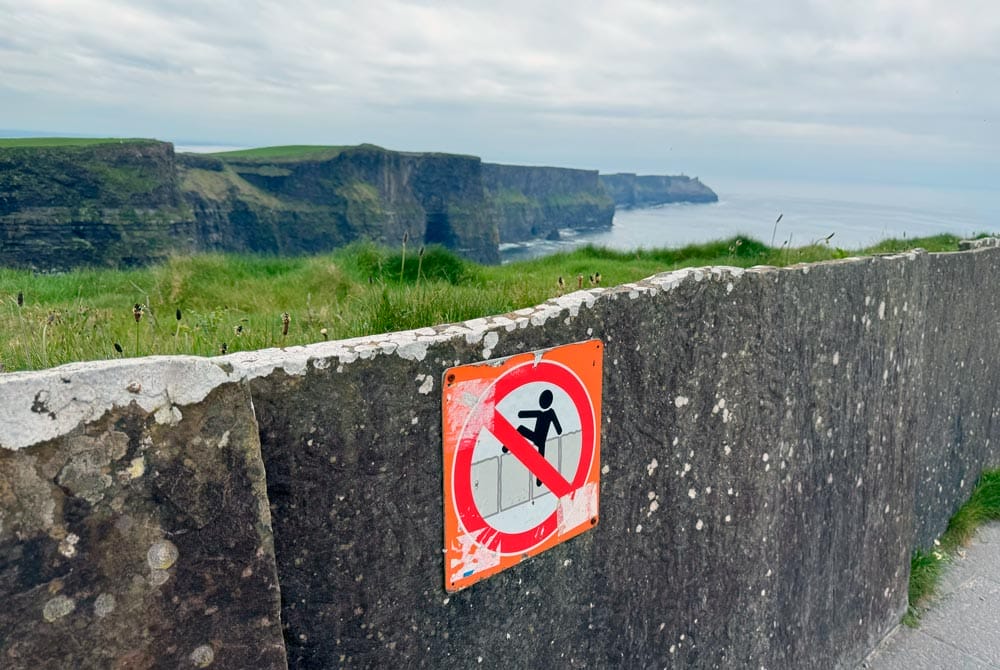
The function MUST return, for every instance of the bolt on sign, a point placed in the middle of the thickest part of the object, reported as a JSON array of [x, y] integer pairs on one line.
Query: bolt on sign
[[521, 457]]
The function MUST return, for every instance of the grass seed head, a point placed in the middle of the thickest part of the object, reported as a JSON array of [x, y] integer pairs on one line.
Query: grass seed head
[[20, 298], [285, 320], [118, 347], [137, 312], [178, 314]]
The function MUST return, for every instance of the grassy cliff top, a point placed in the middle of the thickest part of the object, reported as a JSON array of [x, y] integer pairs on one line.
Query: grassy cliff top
[[291, 152], [298, 152], [18, 142]]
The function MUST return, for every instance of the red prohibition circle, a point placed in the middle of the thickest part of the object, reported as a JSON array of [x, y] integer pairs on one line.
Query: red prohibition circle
[[482, 416]]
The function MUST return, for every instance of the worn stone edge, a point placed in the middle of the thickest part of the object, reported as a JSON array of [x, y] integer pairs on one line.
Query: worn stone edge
[[39, 406]]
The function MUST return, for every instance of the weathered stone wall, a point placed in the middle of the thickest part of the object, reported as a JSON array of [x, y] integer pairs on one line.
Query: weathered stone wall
[[134, 527], [954, 410], [774, 445]]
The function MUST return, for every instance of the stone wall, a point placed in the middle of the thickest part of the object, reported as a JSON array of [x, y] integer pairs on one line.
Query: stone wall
[[774, 445], [134, 529]]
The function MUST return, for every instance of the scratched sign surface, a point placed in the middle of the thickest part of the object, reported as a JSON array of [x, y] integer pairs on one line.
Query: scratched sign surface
[[521, 457]]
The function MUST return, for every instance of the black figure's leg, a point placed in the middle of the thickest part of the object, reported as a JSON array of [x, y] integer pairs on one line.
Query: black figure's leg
[[524, 430], [541, 452]]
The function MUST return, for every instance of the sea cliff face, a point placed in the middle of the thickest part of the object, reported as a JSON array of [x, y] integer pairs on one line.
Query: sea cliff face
[[631, 190], [107, 204], [533, 202], [122, 203], [322, 202]]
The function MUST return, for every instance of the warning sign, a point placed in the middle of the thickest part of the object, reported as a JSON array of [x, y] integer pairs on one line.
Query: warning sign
[[521, 457]]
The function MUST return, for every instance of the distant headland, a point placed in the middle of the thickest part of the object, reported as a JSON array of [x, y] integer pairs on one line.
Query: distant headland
[[67, 202]]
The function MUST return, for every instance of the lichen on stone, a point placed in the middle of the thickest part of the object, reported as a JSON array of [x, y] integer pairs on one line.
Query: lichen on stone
[[203, 656], [57, 608], [162, 555], [104, 605]]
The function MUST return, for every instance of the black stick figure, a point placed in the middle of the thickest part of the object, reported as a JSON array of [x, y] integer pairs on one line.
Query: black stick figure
[[544, 419]]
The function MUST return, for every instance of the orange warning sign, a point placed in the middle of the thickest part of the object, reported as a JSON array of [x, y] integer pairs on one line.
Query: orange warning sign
[[521, 457]]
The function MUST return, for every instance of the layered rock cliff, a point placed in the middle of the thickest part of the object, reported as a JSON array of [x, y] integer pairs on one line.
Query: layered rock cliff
[[104, 204], [631, 190], [121, 203], [533, 202], [326, 199]]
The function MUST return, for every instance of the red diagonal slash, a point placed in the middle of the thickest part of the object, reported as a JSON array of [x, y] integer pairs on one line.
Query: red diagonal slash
[[527, 453]]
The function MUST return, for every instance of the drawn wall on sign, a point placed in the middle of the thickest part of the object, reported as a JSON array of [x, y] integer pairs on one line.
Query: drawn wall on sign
[[507, 495], [502, 483]]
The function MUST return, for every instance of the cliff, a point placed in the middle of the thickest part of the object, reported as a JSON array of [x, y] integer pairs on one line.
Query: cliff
[[631, 190], [115, 203], [65, 203], [533, 202], [298, 202]]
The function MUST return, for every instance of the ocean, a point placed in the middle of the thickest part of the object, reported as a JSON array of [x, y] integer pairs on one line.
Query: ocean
[[856, 216]]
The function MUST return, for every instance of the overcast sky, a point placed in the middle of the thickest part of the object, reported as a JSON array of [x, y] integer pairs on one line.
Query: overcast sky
[[894, 91]]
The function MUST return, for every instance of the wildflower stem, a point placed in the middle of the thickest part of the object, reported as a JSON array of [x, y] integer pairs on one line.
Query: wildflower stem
[[137, 314], [402, 264], [775, 230], [45, 350]]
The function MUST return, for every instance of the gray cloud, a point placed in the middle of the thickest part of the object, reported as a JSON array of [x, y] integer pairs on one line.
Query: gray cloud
[[911, 78]]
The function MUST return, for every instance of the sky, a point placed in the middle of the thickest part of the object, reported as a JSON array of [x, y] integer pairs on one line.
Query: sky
[[875, 91]]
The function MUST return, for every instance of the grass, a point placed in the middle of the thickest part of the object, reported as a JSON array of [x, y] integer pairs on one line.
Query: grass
[[926, 566], [288, 152], [18, 142], [238, 300]]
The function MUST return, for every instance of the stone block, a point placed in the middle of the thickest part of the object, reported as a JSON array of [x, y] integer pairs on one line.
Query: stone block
[[134, 531]]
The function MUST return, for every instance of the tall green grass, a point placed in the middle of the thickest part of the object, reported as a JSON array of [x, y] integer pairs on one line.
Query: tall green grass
[[287, 152], [926, 566], [15, 142], [238, 300]]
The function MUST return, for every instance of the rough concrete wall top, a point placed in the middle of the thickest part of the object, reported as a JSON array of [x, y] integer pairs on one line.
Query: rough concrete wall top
[[40, 406], [134, 526], [966, 245]]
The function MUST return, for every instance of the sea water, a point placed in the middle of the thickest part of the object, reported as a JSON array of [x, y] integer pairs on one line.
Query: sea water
[[855, 215]]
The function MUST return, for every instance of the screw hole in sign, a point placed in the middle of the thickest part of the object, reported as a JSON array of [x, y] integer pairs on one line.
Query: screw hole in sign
[[521, 445]]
